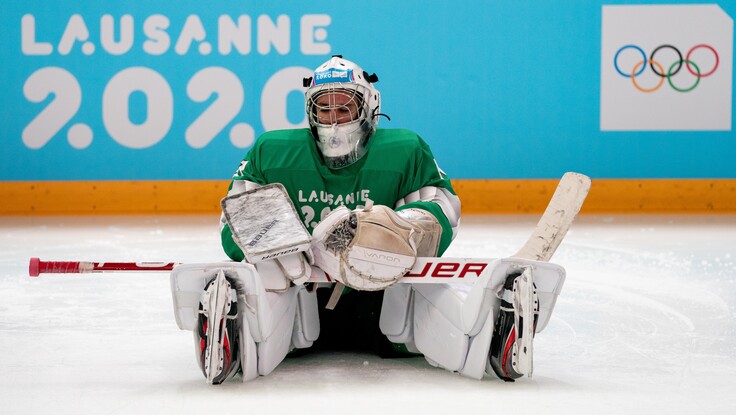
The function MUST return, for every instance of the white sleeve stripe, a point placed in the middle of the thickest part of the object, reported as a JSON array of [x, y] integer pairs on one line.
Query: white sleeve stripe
[[448, 202], [240, 186]]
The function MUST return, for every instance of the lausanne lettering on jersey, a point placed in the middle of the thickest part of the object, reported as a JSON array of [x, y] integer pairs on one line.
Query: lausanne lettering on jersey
[[330, 199]]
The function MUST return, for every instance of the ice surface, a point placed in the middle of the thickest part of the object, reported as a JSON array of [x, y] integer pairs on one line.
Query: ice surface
[[644, 325]]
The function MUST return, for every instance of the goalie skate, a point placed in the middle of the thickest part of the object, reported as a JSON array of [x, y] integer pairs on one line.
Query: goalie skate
[[511, 348], [217, 331]]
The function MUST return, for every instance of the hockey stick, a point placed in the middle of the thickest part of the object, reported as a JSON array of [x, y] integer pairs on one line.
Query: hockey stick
[[561, 211], [551, 229], [425, 270], [37, 267]]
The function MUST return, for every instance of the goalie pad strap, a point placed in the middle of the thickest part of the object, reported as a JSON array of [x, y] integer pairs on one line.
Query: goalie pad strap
[[335, 296]]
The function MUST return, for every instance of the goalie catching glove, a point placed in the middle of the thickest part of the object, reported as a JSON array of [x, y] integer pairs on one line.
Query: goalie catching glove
[[372, 248]]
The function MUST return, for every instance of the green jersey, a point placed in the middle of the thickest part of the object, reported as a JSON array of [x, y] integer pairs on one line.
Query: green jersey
[[397, 163]]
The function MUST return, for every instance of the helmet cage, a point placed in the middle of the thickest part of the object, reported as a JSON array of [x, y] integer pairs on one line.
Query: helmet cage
[[340, 104], [342, 109]]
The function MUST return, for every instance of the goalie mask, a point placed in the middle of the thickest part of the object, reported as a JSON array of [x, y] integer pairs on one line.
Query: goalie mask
[[342, 108]]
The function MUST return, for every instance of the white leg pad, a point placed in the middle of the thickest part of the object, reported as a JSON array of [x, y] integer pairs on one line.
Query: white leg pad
[[272, 324], [248, 351], [437, 329], [548, 279], [397, 314], [480, 346], [272, 277], [187, 284], [453, 325], [267, 318], [276, 317], [306, 323]]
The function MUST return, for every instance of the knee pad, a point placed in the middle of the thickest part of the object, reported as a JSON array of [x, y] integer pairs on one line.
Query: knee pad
[[397, 314], [306, 323]]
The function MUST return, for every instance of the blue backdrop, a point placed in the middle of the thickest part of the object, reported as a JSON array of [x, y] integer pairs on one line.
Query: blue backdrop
[[167, 90]]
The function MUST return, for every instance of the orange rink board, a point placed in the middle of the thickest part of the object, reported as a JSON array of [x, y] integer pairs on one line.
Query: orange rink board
[[485, 196]]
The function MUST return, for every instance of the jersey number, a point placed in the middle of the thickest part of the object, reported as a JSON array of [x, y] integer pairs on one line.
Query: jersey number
[[309, 215]]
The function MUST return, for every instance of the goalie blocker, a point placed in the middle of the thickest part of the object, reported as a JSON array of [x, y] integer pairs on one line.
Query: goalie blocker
[[267, 228]]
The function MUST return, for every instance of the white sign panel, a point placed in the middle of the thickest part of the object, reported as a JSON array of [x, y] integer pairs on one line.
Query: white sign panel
[[666, 68]]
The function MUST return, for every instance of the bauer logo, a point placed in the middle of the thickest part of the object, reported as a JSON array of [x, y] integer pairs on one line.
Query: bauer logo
[[333, 75], [666, 68]]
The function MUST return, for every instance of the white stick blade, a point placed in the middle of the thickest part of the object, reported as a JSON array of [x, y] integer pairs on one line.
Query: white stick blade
[[561, 211]]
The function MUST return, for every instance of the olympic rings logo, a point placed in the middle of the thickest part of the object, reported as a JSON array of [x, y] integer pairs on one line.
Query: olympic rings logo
[[658, 69]]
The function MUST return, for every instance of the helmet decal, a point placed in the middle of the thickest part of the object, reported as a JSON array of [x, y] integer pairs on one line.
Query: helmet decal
[[333, 75]]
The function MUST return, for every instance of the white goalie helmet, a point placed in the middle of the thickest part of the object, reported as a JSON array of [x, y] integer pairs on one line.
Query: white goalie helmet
[[343, 109]]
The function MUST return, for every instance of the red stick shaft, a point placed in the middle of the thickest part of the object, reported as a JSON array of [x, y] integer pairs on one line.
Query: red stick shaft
[[37, 267], [132, 266]]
